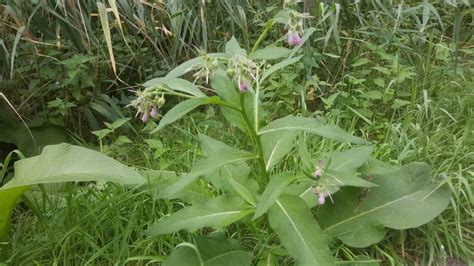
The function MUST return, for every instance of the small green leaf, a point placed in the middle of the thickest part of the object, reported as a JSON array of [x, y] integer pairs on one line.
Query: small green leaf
[[182, 109], [270, 53], [405, 198], [273, 190], [210, 251], [117, 123], [310, 125], [299, 232], [279, 66], [216, 213], [360, 62]]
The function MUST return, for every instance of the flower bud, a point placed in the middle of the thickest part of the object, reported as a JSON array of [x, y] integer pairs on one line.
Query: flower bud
[[230, 72], [161, 101]]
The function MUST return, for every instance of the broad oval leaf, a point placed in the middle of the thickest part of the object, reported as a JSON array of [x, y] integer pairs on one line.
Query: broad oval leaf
[[70, 163], [216, 213], [299, 232], [405, 198], [182, 108], [310, 125]]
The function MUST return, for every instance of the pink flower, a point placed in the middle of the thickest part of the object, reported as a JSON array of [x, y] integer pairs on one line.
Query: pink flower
[[291, 38], [319, 169], [321, 198], [243, 86], [296, 38], [145, 117], [153, 112]]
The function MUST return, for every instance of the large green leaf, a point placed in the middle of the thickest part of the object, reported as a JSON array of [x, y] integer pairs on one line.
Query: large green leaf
[[69, 163], [9, 198], [176, 84], [405, 198], [205, 166], [210, 251], [182, 108], [272, 192], [216, 213], [276, 145], [310, 125], [299, 232], [270, 53], [232, 48], [230, 177]]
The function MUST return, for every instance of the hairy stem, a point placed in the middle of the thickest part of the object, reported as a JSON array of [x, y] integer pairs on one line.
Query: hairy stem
[[253, 135]]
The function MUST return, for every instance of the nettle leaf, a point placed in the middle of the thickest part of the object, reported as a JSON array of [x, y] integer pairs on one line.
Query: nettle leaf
[[273, 190], [299, 232], [276, 145], [270, 53], [230, 177], [213, 250], [216, 213], [9, 198], [232, 48], [69, 163], [182, 108], [405, 198], [310, 125], [206, 166]]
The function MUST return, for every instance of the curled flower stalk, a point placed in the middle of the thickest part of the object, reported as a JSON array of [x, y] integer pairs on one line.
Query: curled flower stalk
[[241, 70], [148, 103]]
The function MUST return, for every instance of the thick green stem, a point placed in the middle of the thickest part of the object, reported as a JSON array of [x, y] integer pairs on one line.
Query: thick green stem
[[254, 136]]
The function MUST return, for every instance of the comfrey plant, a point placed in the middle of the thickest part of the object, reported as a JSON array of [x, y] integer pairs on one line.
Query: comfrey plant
[[356, 198]]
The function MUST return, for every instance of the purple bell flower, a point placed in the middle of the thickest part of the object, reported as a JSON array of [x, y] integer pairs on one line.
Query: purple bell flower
[[145, 117], [153, 112], [321, 198], [243, 86], [296, 38]]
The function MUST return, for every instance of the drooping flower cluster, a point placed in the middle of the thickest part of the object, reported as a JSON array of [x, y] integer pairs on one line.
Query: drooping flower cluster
[[206, 69], [147, 103], [319, 189], [242, 71], [294, 26]]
